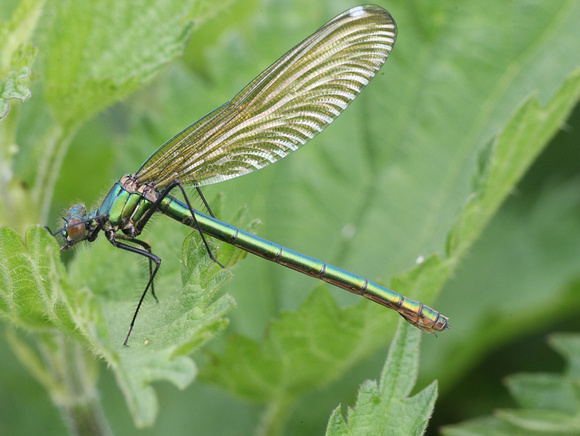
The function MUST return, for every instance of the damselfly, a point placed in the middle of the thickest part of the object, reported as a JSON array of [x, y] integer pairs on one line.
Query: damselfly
[[275, 114]]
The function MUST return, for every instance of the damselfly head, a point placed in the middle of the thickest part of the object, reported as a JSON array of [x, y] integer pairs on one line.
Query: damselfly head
[[75, 228]]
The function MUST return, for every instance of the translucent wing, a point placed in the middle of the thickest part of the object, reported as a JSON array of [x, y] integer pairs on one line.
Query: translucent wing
[[281, 109]]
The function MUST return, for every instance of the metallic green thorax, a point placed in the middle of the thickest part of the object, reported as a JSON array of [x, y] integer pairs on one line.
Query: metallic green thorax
[[125, 205]]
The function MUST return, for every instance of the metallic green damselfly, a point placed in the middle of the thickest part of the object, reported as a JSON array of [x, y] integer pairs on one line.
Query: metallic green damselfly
[[275, 114]]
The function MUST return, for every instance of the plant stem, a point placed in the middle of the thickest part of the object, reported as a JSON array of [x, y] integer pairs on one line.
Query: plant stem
[[275, 416], [56, 142], [69, 373], [80, 405]]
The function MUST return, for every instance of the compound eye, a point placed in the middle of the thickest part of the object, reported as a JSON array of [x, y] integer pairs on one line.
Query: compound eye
[[76, 229]]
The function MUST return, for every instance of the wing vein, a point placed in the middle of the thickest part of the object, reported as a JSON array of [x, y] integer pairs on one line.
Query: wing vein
[[282, 108]]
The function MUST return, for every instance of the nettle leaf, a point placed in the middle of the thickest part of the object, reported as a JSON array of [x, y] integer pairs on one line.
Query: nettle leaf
[[386, 408], [212, 20], [101, 51], [185, 318], [506, 159], [18, 54], [304, 350], [96, 53], [14, 86], [36, 296], [32, 282], [549, 403], [502, 164]]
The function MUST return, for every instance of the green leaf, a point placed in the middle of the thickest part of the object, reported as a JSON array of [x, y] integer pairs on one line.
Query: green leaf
[[36, 296], [31, 281], [12, 87], [102, 51], [503, 162], [17, 53], [510, 155], [165, 333], [96, 53], [212, 21], [543, 391], [387, 409], [302, 351], [549, 403]]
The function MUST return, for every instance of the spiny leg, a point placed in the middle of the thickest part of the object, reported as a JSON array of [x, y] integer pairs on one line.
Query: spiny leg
[[151, 257], [204, 202], [165, 193], [192, 211], [147, 247]]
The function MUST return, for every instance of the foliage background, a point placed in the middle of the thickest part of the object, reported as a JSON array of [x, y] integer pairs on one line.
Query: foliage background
[[459, 70]]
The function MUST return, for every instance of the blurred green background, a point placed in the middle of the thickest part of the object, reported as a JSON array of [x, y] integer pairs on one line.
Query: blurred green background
[[378, 190]]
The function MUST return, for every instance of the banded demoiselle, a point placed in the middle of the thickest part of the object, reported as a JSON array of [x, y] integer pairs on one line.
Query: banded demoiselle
[[275, 114]]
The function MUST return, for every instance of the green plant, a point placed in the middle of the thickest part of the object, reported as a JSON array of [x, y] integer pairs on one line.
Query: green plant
[[401, 187], [548, 402]]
